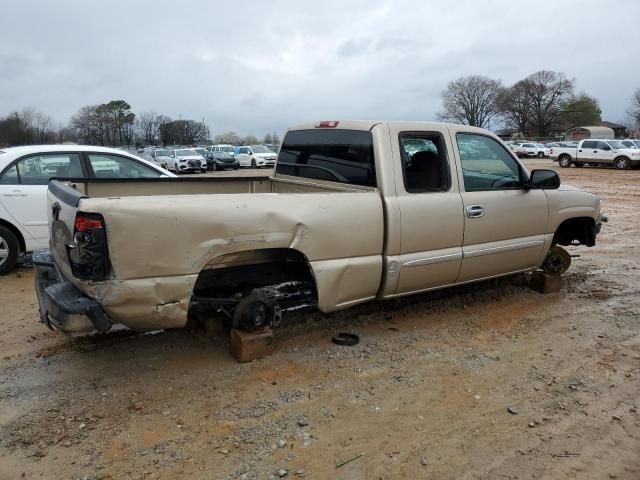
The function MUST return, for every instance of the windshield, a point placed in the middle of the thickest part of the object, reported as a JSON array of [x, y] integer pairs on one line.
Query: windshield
[[185, 153], [616, 144], [222, 154], [260, 149], [162, 153]]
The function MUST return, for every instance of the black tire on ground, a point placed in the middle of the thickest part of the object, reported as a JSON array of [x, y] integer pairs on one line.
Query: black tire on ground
[[564, 161], [540, 155], [9, 250], [622, 163], [253, 163], [235, 168]]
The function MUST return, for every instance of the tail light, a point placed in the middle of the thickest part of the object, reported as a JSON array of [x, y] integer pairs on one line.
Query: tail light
[[551, 151], [88, 254], [327, 124]]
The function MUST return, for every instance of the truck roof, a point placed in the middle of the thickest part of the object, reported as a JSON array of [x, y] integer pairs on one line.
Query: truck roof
[[369, 124]]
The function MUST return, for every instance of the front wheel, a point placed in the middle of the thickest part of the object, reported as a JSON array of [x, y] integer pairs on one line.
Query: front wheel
[[253, 164], [622, 163], [564, 162], [540, 155], [9, 250]]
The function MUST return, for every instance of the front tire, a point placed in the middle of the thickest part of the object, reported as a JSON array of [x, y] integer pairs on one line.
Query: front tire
[[540, 155], [9, 250], [564, 161], [622, 163], [253, 163]]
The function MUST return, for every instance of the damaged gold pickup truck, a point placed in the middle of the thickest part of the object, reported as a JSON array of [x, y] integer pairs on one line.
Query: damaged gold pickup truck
[[355, 211]]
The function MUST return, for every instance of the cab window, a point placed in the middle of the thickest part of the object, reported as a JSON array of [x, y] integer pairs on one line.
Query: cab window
[[114, 166], [424, 162], [486, 165]]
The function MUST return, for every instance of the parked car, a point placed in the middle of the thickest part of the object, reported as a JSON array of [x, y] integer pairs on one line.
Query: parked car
[[24, 175], [255, 156], [345, 219], [230, 149], [184, 160], [221, 161], [597, 152], [532, 150], [160, 156]]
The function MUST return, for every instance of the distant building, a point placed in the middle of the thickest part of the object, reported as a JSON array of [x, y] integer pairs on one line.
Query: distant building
[[620, 131], [580, 133]]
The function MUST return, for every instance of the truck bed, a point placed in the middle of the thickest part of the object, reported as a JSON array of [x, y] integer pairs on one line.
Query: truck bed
[[109, 188]]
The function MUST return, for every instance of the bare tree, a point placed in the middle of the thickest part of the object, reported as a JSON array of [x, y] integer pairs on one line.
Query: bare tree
[[634, 110], [515, 107], [147, 127], [231, 138], [547, 91], [470, 100]]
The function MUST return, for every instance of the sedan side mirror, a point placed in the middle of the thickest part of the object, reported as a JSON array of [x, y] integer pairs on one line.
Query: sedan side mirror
[[545, 179]]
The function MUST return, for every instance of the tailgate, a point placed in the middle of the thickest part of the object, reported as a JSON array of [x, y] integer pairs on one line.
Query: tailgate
[[78, 240]]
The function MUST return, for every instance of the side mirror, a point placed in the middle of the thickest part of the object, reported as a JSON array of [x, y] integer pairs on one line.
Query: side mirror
[[545, 179]]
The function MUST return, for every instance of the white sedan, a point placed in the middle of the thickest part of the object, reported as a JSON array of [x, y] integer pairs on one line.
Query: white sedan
[[24, 175]]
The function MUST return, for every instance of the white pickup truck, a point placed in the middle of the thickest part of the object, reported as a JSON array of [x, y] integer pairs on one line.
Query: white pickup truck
[[356, 211], [597, 152]]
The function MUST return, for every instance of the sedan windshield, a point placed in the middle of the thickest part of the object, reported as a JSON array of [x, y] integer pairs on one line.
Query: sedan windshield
[[260, 149], [186, 153], [162, 153]]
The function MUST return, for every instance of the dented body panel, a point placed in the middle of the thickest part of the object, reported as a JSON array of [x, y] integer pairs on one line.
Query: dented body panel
[[167, 238]]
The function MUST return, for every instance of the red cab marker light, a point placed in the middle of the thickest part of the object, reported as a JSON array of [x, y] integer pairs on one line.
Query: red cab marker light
[[327, 124], [84, 224]]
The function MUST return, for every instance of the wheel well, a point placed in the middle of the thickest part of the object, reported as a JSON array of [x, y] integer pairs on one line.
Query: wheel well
[[564, 155], [241, 272], [16, 232], [580, 229], [622, 156]]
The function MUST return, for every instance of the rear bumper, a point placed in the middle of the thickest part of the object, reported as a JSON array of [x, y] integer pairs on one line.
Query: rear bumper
[[62, 306]]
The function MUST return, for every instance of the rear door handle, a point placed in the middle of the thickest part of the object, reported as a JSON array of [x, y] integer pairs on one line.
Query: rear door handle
[[15, 193], [475, 211]]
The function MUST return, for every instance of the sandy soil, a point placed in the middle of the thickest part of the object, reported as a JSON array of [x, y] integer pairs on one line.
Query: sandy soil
[[491, 381]]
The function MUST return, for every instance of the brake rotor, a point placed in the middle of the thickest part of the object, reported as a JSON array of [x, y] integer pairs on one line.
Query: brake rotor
[[557, 261]]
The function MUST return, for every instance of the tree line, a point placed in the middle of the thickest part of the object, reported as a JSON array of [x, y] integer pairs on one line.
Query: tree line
[[114, 124], [543, 102]]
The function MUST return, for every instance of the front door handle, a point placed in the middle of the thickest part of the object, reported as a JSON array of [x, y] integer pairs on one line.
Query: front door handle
[[475, 211], [15, 193]]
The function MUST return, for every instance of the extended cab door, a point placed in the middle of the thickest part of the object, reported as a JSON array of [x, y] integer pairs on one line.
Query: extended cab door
[[504, 223], [429, 205]]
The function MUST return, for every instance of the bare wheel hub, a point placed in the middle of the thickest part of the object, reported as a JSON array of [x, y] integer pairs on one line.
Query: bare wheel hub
[[557, 261]]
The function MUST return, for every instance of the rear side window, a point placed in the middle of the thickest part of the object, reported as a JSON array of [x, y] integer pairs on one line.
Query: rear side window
[[10, 177], [424, 161], [113, 166], [38, 169], [589, 144], [344, 156]]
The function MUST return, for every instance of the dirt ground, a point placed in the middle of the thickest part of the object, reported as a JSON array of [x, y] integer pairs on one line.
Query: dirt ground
[[491, 381]]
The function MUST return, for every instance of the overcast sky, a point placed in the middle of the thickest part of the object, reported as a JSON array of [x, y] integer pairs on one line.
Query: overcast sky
[[256, 67]]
